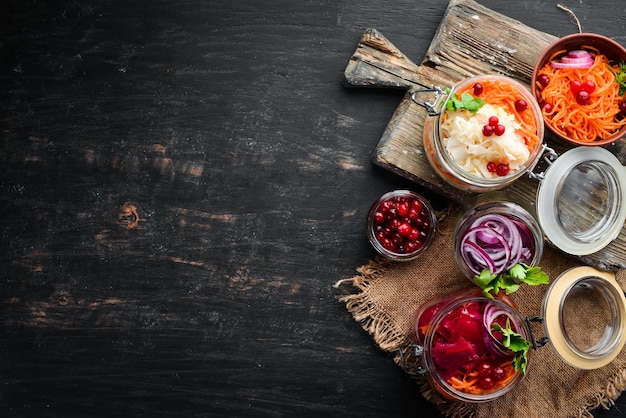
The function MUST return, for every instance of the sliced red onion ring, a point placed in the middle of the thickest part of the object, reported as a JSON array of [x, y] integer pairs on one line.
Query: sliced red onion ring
[[582, 60], [578, 53], [496, 242], [476, 258], [574, 59], [491, 313]]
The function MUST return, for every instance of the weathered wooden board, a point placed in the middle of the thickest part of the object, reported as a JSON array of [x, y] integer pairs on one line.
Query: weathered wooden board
[[461, 48]]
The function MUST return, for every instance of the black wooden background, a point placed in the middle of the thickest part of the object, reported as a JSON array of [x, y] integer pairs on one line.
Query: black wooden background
[[181, 184]]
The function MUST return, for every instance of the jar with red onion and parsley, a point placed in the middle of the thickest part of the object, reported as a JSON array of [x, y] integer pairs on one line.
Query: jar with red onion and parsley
[[462, 353], [495, 235]]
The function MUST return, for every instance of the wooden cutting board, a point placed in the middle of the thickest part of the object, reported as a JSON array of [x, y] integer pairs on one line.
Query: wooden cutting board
[[461, 48]]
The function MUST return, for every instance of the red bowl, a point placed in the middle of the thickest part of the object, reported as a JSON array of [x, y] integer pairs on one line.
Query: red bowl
[[614, 52]]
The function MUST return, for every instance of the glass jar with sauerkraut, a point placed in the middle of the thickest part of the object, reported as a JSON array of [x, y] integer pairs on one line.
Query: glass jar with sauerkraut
[[488, 131]]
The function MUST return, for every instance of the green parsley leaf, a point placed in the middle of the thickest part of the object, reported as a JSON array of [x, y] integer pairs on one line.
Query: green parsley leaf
[[534, 276], [465, 102], [516, 343], [620, 77], [484, 278], [510, 281]]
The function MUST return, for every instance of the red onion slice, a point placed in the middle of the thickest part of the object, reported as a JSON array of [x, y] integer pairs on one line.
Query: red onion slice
[[578, 53], [496, 242], [574, 59], [491, 313]]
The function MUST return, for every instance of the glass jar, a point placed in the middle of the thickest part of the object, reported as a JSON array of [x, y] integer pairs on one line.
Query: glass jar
[[496, 234], [401, 225], [466, 164], [463, 358]]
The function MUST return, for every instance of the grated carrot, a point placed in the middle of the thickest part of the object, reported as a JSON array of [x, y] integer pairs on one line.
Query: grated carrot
[[585, 123]]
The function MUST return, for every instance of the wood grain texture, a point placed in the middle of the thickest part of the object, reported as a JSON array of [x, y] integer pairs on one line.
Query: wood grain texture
[[470, 40], [182, 184]]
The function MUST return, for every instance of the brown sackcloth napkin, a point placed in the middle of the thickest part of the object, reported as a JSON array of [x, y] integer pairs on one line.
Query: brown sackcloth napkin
[[384, 296]]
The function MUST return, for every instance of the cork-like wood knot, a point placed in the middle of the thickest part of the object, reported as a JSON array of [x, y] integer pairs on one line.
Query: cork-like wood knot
[[128, 216]]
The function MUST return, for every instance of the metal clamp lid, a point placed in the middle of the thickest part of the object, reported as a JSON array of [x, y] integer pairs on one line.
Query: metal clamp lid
[[410, 359]]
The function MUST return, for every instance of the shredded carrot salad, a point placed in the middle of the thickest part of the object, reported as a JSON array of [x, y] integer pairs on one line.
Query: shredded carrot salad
[[469, 383], [501, 94], [584, 123]]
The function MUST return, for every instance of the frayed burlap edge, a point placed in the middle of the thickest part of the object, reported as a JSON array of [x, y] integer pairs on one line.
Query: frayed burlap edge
[[388, 337], [614, 388], [391, 339]]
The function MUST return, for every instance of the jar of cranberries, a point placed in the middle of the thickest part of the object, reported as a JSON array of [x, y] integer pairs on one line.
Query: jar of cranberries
[[485, 133], [401, 225]]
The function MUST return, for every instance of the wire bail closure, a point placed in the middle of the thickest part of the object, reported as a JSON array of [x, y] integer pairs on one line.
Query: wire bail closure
[[429, 106], [536, 343], [411, 367], [549, 156]]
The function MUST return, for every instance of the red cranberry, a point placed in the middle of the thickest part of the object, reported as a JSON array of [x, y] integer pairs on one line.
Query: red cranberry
[[402, 210], [487, 130], [485, 369], [491, 167], [412, 246], [575, 87], [397, 239], [502, 170], [543, 79], [493, 121], [622, 107], [486, 383], [387, 244], [404, 229], [589, 86], [521, 105], [498, 373], [583, 98], [478, 89], [547, 107], [499, 129]]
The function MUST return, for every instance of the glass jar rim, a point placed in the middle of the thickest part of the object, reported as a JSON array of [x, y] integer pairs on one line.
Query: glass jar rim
[[613, 174], [608, 347]]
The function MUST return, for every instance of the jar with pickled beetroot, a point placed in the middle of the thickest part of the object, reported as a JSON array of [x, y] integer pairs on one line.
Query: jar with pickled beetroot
[[401, 225], [475, 349], [487, 132], [495, 235]]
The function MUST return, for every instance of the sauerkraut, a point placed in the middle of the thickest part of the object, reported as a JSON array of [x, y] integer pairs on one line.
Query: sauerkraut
[[462, 134]]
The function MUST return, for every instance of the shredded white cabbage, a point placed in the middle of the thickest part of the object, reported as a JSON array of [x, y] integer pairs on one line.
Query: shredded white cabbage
[[463, 138]]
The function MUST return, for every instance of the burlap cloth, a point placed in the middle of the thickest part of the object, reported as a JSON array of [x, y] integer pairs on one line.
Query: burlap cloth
[[384, 296]]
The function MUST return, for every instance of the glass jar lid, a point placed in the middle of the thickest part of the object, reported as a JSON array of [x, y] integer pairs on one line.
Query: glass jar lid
[[580, 200], [592, 340]]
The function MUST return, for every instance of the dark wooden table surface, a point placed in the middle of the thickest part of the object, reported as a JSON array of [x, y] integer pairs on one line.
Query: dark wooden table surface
[[181, 184]]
